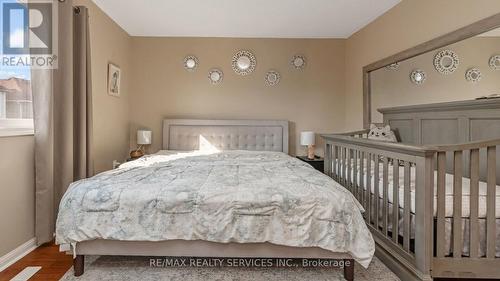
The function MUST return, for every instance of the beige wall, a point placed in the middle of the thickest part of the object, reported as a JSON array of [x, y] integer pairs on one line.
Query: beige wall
[[17, 189], [409, 23], [109, 43], [326, 97], [312, 99], [394, 88]]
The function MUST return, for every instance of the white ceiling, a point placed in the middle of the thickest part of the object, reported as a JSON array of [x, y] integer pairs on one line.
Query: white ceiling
[[240, 18]]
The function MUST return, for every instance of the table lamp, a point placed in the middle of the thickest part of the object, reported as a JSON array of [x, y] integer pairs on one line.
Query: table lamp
[[308, 138], [143, 138]]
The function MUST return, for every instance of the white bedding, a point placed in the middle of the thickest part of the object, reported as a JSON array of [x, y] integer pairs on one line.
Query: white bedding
[[448, 194], [232, 196], [448, 209]]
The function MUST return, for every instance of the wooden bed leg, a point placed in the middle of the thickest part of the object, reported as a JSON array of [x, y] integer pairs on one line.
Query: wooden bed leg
[[349, 270], [78, 265]]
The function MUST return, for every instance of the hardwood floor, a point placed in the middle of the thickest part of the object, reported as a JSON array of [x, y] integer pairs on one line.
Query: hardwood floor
[[54, 264]]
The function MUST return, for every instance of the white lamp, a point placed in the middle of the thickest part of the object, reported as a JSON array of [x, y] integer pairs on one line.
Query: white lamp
[[308, 138], [143, 138]]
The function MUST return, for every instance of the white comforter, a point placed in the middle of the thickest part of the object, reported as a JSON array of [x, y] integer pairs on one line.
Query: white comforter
[[233, 196]]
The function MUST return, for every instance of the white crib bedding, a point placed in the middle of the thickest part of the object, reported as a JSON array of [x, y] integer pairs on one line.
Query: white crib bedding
[[449, 207], [448, 193]]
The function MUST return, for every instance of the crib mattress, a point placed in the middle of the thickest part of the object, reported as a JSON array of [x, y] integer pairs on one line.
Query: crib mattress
[[448, 210], [448, 193]]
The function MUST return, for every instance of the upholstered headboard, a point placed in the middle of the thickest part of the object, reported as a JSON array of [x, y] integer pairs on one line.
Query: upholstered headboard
[[260, 135]]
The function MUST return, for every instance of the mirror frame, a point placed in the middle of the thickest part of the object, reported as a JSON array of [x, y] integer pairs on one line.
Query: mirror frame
[[463, 33]]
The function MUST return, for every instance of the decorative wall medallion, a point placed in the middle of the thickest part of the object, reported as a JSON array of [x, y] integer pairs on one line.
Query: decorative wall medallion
[[272, 78], [418, 76], [473, 75], [393, 66], [298, 62], [244, 62], [495, 62], [190, 63], [446, 62], [215, 76]]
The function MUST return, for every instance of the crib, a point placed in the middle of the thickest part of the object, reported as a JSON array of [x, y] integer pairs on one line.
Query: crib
[[409, 190]]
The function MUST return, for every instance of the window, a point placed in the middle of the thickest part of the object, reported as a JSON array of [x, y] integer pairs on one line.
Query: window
[[3, 105], [16, 102]]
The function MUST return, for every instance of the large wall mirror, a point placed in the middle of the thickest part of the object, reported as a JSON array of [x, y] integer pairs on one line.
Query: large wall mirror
[[462, 65]]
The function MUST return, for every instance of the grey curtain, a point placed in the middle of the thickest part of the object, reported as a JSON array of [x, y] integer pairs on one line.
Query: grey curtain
[[62, 105]]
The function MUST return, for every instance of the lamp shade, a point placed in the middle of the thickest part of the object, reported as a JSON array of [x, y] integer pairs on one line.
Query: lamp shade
[[307, 138], [143, 137]]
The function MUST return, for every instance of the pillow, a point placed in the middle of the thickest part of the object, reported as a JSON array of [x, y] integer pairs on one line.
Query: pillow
[[382, 133]]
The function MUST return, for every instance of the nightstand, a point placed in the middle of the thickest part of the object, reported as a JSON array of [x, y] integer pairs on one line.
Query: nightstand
[[132, 159], [318, 162], [127, 160]]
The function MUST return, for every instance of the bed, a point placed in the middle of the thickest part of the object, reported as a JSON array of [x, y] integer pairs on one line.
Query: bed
[[448, 151], [219, 188]]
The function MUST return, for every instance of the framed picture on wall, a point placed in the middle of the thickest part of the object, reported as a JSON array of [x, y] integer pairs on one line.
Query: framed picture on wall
[[114, 76]]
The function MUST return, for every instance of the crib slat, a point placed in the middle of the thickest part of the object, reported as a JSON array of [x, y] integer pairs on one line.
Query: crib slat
[[337, 164], [368, 188], [339, 161], [457, 204], [361, 173], [407, 207], [355, 175], [333, 161], [326, 160], [331, 166], [491, 196], [362, 183], [395, 201], [349, 170], [385, 201], [441, 201], [474, 197], [344, 167], [376, 191], [341, 165]]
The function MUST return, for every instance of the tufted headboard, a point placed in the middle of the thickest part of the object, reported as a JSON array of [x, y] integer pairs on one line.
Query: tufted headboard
[[260, 135]]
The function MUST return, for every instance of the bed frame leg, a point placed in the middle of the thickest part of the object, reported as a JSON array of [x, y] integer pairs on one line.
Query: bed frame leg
[[78, 265], [349, 269]]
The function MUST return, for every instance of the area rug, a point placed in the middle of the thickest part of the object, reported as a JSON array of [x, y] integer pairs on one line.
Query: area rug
[[137, 268]]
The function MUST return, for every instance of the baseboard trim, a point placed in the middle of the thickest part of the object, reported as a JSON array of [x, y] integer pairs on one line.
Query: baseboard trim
[[11, 257], [396, 266]]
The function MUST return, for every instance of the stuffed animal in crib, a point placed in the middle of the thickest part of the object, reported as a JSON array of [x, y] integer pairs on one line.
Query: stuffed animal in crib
[[382, 133]]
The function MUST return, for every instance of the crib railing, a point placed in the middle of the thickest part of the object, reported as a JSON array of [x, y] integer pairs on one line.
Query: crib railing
[[395, 183], [467, 160]]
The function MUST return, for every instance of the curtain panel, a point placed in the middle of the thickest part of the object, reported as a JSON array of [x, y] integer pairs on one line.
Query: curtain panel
[[62, 105]]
